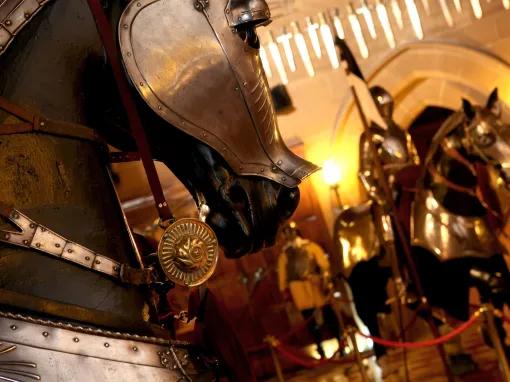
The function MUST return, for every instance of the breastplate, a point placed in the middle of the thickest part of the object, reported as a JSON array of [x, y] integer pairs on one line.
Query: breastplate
[[356, 235], [394, 153], [450, 236]]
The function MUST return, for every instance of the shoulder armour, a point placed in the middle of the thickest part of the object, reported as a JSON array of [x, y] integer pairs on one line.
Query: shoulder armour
[[14, 15]]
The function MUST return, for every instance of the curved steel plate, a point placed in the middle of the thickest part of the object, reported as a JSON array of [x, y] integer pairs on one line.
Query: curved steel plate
[[200, 76]]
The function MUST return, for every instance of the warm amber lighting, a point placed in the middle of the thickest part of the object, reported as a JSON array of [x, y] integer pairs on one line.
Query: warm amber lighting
[[332, 173]]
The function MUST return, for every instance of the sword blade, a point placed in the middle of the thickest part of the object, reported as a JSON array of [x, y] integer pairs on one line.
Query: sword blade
[[382, 13], [414, 16]]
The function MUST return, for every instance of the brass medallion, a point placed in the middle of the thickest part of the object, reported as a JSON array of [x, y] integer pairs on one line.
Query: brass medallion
[[188, 252]]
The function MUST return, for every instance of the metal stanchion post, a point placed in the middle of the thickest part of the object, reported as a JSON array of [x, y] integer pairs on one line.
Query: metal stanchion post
[[488, 311], [357, 355], [271, 341]]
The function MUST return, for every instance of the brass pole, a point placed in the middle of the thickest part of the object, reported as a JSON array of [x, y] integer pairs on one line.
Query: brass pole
[[271, 341], [357, 355], [488, 311]]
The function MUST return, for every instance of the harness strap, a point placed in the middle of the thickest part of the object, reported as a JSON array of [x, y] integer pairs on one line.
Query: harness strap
[[105, 31], [36, 236], [35, 122]]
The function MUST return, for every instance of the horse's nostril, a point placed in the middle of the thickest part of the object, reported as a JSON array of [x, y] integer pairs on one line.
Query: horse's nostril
[[288, 200], [238, 196]]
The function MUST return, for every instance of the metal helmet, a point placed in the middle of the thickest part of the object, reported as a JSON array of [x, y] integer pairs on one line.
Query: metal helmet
[[196, 64], [383, 100], [243, 14]]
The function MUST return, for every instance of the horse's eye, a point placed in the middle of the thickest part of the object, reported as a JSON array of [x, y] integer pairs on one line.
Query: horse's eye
[[485, 139], [250, 37]]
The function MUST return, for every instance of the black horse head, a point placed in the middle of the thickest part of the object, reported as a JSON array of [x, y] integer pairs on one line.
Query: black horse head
[[208, 113]]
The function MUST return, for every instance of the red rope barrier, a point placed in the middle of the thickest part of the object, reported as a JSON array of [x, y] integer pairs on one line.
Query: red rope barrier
[[298, 357], [436, 341]]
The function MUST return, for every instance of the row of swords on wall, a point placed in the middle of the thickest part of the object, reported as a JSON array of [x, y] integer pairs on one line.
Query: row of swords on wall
[[332, 22]]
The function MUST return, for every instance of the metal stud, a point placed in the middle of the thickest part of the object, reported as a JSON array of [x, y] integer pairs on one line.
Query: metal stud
[[15, 215], [25, 242], [45, 334], [116, 268], [97, 261], [14, 327], [57, 245], [38, 245], [32, 225], [69, 250], [125, 26], [27, 15], [8, 23], [135, 348], [87, 258], [106, 345], [279, 162], [76, 339]]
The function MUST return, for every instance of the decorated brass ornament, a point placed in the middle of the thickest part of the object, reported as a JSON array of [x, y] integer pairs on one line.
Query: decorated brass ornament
[[188, 252]]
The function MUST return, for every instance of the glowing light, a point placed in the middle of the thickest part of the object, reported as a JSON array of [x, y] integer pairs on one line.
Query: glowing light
[[312, 27], [265, 62], [458, 6], [277, 59], [446, 12], [397, 13], [426, 6], [382, 14], [477, 8], [367, 15], [506, 4], [284, 40], [332, 174], [299, 39], [327, 39], [358, 34], [339, 28], [414, 16]]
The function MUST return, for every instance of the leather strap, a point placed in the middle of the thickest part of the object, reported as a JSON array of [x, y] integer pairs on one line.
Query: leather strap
[[124, 156], [34, 122], [36, 236], [105, 31]]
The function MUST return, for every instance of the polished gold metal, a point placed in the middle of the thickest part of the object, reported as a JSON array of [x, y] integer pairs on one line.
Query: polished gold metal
[[188, 252], [356, 236]]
